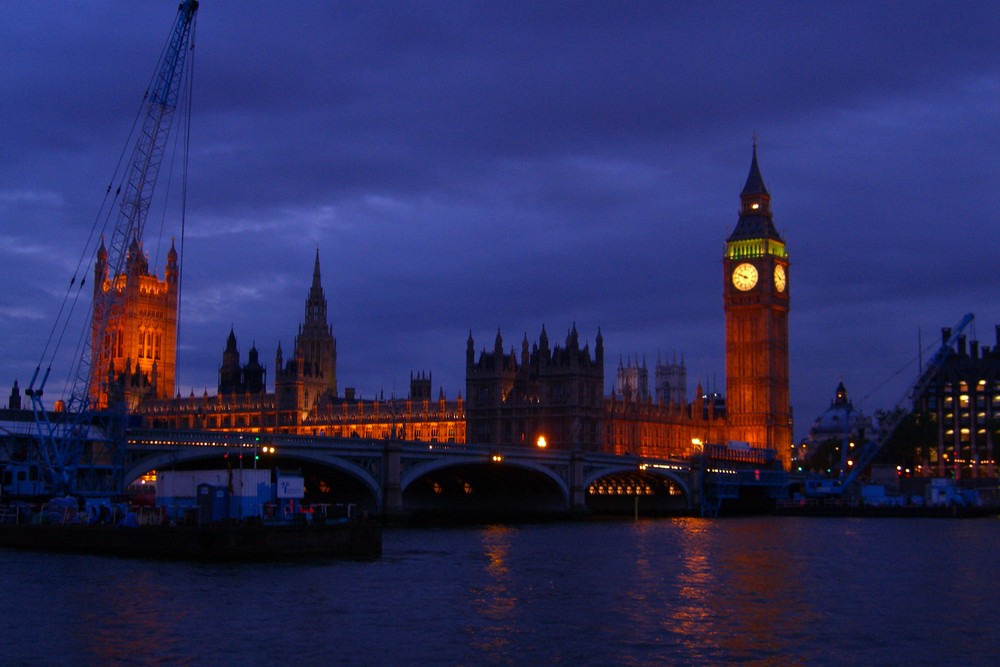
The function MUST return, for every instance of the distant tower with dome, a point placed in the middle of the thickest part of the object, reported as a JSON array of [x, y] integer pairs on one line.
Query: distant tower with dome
[[841, 421]]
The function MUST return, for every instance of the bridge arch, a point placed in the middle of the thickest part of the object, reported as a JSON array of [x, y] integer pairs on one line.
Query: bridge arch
[[427, 467], [607, 470], [162, 460], [622, 488], [483, 488]]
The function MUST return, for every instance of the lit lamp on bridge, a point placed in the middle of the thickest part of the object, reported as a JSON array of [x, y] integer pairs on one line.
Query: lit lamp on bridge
[[266, 449], [542, 443], [699, 448]]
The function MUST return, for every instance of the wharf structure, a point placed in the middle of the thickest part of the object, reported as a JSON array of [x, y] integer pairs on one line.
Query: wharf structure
[[547, 393]]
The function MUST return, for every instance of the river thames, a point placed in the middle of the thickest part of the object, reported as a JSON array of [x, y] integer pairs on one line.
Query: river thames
[[770, 591]]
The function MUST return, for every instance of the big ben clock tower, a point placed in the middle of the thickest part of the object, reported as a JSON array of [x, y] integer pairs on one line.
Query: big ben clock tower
[[755, 294]]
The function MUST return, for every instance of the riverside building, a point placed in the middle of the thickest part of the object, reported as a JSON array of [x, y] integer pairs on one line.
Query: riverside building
[[963, 406]]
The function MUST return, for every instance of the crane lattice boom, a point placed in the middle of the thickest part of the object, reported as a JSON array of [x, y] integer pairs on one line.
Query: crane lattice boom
[[62, 444], [871, 448]]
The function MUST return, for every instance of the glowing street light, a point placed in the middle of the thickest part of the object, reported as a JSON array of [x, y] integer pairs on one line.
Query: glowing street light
[[542, 443]]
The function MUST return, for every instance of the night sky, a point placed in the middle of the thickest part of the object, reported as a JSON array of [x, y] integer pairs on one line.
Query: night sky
[[468, 166]]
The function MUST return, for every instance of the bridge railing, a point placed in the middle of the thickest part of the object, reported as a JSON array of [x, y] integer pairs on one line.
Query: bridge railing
[[757, 455], [168, 437]]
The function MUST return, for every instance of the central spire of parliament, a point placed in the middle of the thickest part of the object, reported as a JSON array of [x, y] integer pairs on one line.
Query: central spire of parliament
[[311, 372], [315, 321]]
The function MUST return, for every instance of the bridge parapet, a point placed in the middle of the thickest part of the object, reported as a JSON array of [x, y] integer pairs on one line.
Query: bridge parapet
[[389, 468]]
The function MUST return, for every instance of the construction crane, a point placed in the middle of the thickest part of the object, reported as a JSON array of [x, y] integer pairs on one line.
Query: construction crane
[[68, 464], [868, 450]]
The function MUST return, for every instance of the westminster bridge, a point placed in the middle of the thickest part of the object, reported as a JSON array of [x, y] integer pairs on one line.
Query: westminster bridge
[[394, 478]]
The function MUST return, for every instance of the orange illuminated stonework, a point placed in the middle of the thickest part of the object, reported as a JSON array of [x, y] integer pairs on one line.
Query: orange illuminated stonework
[[667, 430], [440, 421], [756, 300], [136, 355], [305, 400]]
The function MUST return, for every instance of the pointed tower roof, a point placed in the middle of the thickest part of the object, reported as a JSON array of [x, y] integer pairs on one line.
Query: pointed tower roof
[[317, 283], [315, 322], [840, 397], [755, 208], [755, 182], [135, 259]]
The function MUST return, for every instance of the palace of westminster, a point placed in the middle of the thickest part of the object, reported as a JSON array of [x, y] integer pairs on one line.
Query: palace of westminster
[[547, 393]]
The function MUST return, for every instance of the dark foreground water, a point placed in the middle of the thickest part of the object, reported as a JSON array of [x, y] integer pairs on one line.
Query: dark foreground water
[[665, 592]]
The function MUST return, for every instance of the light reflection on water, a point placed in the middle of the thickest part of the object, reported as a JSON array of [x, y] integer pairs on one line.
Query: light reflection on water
[[492, 600], [115, 638], [688, 591], [692, 615]]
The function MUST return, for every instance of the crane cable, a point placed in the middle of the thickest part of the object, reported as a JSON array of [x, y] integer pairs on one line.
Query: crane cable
[[930, 348], [189, 104], [105, 209], [60, 325]]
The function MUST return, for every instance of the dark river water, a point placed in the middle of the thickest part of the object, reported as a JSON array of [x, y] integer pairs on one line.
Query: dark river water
[[770, 591]]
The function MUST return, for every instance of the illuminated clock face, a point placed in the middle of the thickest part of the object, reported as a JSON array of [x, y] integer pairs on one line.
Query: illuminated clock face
[[744, 277], [779, 278]]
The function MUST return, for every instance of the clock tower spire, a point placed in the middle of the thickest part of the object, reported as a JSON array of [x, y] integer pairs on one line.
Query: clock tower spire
[[756, 301]]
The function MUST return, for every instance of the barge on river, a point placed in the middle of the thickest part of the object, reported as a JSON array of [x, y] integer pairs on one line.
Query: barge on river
[[215, 543], [150, 534]]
